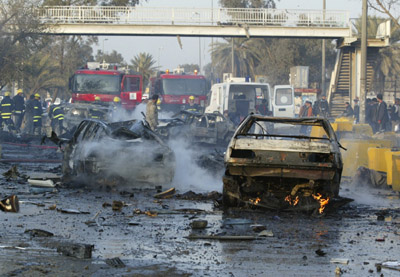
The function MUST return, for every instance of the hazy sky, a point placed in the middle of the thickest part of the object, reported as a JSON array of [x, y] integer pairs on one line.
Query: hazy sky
[[166, 50]]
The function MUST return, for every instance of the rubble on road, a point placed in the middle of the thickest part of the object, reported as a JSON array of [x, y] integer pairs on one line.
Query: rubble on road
[[10, 204], [77, 250]]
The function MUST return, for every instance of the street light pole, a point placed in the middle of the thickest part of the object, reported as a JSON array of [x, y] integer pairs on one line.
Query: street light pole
[[103, 49], [363, 77], [323, 54]]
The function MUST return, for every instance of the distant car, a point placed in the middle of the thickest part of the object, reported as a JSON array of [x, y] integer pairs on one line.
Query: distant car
[[276, 163], [208, 128]]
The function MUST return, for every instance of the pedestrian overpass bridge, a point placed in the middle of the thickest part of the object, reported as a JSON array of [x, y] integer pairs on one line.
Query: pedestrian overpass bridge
[[195, 22]]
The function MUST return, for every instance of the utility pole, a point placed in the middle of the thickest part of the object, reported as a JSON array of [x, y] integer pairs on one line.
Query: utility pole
[[233, 60], [323, 53], [363, 78]]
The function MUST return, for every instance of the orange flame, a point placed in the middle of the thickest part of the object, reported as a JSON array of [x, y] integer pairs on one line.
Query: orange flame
[[255, 201], [322, 202], [291, 201]]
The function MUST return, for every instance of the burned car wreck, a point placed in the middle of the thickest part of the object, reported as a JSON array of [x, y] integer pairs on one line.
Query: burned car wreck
[[275, 163], [207, 128], [127, 152]]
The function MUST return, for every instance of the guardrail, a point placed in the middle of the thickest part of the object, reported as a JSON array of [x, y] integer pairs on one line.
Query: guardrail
[[189, 16]]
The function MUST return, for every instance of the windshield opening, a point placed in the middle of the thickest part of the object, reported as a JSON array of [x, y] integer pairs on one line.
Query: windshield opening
[[98, 84], [184, 86], [284, 131]]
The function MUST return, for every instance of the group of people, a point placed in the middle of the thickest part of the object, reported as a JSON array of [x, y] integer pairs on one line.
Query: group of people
[[377, 114], [29, 111]]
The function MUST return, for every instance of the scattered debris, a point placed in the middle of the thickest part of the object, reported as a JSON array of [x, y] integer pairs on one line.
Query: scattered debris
[[148, 213], [266, 233], [338, 271], [41, 183], [133, 223], [13, 173], [10, 204], [77, 250], [258, 227], [339, 261], [39, 233], [380, 239], [93, 222], [71, 211], [218, 237], [39, 190], [190, 195], [115, 262], [165, 194], [117, 205], [320, 252], [199, 224]]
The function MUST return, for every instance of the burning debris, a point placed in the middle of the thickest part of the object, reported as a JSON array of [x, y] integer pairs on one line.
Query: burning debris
[[275, 163]]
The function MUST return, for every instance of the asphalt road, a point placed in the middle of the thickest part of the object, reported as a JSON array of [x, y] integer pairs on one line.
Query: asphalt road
[[149, 235]]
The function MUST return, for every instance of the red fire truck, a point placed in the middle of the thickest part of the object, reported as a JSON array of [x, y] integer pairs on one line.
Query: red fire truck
[[176, 88], [94, 81]]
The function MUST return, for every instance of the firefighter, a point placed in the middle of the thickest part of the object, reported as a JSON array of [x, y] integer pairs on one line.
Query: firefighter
[[152, 112], [37, 114], [191, 106], [116, 109], [7, 109], [56, 114], [96, 113], [19, 110]]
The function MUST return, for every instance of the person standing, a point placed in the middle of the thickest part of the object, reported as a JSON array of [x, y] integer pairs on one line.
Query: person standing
[[95, 113], [152, 112], [56, 114], [356, 110], [19, 111], [305, 111], [263, 108], [323, 107], [191, 106], [7, 109], [382, 117], [395, 113], [37, 115]]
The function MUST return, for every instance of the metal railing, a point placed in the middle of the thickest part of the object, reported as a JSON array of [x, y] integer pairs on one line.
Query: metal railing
[[189, 16]]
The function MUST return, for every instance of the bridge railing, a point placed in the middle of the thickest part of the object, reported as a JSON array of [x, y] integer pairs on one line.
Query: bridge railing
[[189, 16]]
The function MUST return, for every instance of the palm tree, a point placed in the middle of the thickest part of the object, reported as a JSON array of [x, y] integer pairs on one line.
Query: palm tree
[[41, 73], [245, 56], [144, 64]]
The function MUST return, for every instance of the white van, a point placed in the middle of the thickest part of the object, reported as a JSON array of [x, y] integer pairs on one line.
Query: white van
[[283, 104], [239, 99]]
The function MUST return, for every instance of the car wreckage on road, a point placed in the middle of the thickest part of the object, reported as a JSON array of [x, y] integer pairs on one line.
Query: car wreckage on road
[[125, 152], [275, 163], [207, 128]]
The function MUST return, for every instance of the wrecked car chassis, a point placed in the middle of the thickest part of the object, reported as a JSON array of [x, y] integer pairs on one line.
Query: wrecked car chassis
[[278, 170], [122, 152]]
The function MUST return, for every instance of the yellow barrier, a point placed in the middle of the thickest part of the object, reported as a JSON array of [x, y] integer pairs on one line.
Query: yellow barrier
[[396, 172], [357, 154], [377, 159], [391, 164]]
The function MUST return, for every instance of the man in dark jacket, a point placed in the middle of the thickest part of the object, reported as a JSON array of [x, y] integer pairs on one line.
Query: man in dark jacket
[[349, 110], [7, 109], [28, 128], [323, 107], [19, 111], [382, 116], [356, 110], [37, 115]]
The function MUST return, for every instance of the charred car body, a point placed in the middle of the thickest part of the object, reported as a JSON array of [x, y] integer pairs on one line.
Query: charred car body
[[275, 163], [127, 151], [208, 128]]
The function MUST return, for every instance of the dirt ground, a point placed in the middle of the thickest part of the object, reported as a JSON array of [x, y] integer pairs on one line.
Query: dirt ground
[[150, 236]]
